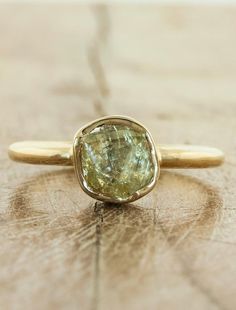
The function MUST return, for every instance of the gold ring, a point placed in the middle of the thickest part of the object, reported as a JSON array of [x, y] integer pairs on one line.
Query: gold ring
[[115, 158]]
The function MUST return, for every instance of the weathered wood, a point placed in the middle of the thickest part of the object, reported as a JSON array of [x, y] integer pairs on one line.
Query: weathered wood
[[173, 69]]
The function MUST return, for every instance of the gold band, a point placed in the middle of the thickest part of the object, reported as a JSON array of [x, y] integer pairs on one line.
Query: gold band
[[61, 153]]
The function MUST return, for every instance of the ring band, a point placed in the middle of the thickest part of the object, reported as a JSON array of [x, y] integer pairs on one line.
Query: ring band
[[115, 158], [61, 154]]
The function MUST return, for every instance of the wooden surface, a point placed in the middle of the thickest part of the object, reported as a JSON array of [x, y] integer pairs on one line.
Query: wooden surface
[[174, 69]]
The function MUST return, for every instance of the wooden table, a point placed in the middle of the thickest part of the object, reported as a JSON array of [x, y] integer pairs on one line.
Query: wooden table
[[173, 69]]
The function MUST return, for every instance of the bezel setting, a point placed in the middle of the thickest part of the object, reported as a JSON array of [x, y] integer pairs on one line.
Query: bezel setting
[[77, 157]]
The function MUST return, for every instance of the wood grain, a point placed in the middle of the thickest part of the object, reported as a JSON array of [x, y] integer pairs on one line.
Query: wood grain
[[172, 68]]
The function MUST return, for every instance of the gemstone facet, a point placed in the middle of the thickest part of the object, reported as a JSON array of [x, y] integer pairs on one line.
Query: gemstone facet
[[116, 161]]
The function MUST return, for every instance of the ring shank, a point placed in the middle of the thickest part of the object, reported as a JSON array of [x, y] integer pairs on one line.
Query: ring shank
[[61, 154]]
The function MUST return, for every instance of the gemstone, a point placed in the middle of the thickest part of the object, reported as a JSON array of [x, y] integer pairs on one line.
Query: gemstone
[[116, 160]]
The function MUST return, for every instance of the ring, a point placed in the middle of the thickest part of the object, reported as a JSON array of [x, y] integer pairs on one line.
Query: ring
[[115, 158]]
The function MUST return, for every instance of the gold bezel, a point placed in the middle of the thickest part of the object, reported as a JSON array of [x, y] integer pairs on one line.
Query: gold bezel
[[77, 157]]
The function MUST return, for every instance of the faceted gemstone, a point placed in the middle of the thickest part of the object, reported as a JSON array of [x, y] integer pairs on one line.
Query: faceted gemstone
[[116, 160]]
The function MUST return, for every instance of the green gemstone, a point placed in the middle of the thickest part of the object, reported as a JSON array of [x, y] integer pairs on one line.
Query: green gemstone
[[116, 161]]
